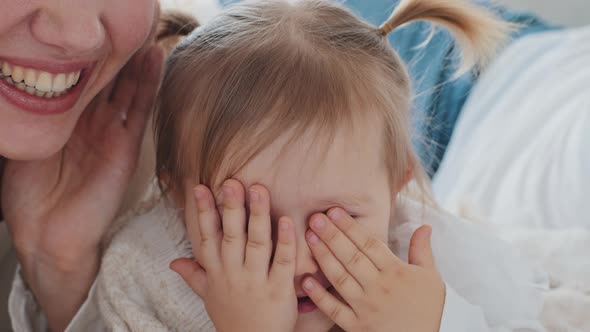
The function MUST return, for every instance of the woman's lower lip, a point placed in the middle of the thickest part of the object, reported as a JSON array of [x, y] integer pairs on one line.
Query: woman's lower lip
[[41, 105], [306, 306]]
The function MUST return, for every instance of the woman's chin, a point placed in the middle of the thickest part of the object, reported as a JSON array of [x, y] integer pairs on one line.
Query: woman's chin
[[25, 137], [21, 147]]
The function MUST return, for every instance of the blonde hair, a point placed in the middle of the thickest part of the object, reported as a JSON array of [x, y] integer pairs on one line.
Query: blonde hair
[[264, 68]]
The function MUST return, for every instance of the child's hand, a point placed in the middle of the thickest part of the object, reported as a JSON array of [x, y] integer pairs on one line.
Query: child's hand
[[241, 292], [382, 293]]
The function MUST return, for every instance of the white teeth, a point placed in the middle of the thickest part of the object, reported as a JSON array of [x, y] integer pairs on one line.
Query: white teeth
[[76, 78], [38, 83], [59, 83], [6, 69], [30, 77], [18, 74], [70, 80], [30, 90], [44, 82]]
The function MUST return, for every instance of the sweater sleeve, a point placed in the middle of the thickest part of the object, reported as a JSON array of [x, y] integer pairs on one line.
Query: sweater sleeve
[[461, 316], [122, 296], [26, 315]]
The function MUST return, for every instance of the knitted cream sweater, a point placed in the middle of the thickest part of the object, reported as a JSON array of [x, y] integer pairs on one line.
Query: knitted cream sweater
[[136, 290]]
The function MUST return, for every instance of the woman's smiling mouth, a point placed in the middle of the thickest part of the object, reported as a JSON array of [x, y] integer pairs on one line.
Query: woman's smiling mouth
[[39, 83], [54, 89]]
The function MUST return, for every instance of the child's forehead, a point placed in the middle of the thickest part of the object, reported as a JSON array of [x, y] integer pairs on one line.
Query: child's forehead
[[344, 167]]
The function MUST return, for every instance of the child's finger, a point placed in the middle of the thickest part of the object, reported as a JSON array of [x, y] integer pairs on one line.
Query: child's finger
[[339, 277], [233, 245], [353, 259], [375, 250], [420, 252], [339, 313], [283, 265], [192, 273], [259, 245], [207, 242]]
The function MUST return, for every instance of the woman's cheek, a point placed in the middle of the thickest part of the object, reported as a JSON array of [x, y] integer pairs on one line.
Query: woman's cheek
[[131, 23]]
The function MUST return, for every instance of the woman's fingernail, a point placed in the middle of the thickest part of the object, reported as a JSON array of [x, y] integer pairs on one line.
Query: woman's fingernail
[[318, 223], [308, 284], [254, 196], [312, 238]]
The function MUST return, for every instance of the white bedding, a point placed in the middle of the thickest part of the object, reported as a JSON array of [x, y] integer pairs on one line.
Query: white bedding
[[519, 160]]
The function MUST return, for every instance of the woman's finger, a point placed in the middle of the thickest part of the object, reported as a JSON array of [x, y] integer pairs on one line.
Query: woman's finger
[[420, 252], [283, 264], [207, 242], [192, 274], [233, 246], [146, 95], [375, 250], [350, 289], [259, 245], [349, 255], [339, 313]]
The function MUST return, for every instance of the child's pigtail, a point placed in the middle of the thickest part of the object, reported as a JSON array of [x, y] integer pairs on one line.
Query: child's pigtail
[[173, 26], [479, 33]]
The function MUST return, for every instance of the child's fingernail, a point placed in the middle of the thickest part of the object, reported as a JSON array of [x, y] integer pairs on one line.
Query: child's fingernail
[[284, 224], [428, 231], [254, 196], [312, 238], [335, 214], [308, 284], [318, 223], [227, 190], [199, 193]]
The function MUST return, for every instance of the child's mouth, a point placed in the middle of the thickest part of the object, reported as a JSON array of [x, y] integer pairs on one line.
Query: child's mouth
[[306, 305]]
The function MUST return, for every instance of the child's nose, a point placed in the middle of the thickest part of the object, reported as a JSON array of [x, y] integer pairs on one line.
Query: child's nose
[[305, 263]]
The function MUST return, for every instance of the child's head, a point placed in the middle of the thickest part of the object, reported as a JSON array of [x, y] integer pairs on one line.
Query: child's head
[[307, 100]]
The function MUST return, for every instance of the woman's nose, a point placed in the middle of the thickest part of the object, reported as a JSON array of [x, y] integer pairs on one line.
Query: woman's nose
[[75, 27]]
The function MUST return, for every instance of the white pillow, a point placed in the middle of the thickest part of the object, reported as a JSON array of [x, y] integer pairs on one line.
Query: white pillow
[[520, 154], [203, 10]]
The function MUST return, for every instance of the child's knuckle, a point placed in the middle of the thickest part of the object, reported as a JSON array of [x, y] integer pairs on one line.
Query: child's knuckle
[[342, 279], [256, 244], [370, 244], [335, 312], [356, 259]]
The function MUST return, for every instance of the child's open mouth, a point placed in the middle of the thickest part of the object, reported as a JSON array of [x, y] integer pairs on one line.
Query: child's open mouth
[[305, 304]]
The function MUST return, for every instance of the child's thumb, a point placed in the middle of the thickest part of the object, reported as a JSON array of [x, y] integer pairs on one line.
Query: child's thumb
[[192, 273], [420, 252]]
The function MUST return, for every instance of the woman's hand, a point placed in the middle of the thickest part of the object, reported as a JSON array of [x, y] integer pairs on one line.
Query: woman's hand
[[59, 209], [381, 292], [237, 282]]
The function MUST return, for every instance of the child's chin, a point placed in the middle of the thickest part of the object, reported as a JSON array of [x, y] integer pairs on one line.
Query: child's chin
[[314, 321]]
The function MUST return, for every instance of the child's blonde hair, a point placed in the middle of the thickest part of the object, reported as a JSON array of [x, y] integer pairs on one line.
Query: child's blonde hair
[[265, 68]]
